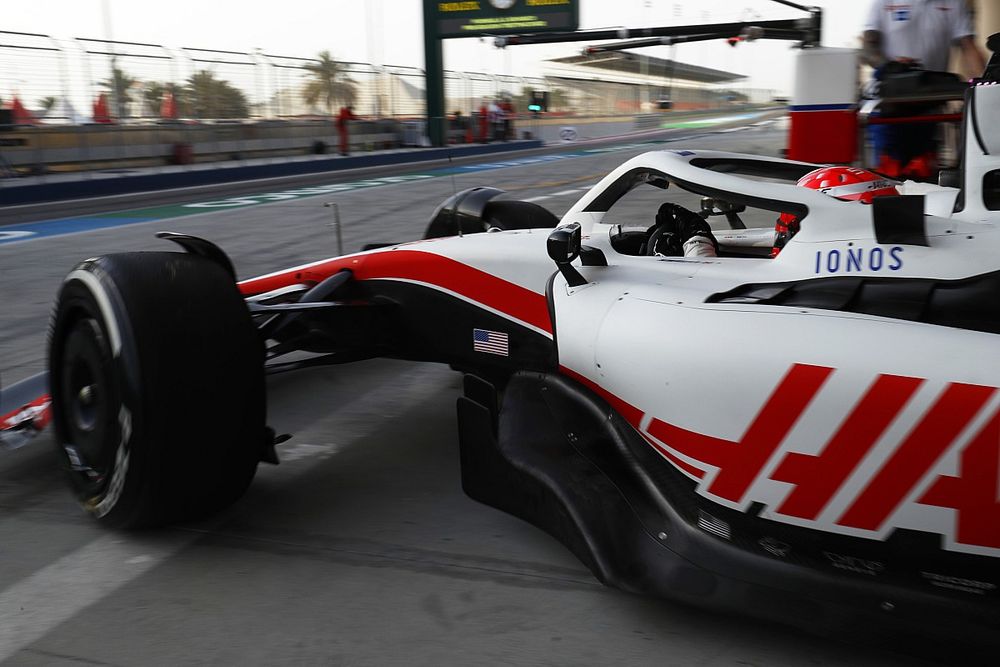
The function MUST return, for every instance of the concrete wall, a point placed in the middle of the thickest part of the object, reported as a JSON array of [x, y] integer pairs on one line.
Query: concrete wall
[[55, 148], [70, 148]]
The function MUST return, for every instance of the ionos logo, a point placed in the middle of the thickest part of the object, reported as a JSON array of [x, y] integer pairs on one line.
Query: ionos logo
[[856, 260]]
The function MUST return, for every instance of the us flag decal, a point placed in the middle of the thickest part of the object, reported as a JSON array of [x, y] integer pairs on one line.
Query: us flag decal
[[491, 342]]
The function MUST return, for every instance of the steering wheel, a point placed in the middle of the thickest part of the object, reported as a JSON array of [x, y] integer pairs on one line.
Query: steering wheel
[[663, 243], [667, 234]]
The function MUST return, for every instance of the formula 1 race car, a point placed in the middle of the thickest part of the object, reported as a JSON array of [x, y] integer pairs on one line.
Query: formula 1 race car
[[616, 398]]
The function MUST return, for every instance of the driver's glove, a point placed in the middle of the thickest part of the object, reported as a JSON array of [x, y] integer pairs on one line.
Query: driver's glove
[[692, 230]]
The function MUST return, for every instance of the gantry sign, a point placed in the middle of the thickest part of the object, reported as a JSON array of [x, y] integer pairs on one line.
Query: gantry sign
[[482, 18], [477, 18]]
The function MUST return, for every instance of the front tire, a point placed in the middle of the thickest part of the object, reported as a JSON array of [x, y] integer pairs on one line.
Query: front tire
[[157, 383], [513, 214]]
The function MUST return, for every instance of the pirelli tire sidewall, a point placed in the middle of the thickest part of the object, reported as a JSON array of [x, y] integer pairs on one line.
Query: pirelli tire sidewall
[[181, 406]]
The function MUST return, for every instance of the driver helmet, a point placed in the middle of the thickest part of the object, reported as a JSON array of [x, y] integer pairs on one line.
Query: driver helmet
[[846, 183]]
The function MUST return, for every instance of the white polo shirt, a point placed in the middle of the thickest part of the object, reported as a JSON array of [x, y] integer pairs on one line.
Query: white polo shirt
[[923, 30]]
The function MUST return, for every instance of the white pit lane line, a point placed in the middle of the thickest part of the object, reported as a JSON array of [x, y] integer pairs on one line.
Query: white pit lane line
[[556, 194], [37, 604]]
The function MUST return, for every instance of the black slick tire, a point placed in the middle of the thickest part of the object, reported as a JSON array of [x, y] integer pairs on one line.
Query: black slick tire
[[157, 382], [513, 214]]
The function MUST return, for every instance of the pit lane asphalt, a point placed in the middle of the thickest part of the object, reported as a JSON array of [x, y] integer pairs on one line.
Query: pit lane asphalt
[[360, 548]]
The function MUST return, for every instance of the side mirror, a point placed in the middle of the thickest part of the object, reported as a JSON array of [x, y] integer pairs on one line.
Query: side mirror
[[711, 206], [564, 244], [707, 207], [563, 247]]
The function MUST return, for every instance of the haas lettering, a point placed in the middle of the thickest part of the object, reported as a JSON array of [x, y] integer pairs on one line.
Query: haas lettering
[[728, 470]]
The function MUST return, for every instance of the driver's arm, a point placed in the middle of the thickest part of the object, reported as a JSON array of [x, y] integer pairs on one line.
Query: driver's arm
[[871, 49], [871, 39]]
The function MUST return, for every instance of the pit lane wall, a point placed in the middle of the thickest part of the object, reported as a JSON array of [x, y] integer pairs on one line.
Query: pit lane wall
[[120, 162], [59, 149], [53, 149]]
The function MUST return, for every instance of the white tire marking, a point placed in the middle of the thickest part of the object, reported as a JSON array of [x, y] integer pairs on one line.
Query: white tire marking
[[104, 303], [117, 482]]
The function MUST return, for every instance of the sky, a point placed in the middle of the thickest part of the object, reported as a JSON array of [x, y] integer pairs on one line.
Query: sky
[[390, 32]]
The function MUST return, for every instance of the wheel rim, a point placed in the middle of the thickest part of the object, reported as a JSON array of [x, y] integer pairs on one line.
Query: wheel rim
[[83, 401], [85, 389]]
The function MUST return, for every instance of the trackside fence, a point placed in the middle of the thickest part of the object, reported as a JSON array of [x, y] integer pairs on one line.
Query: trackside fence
[[88, 103]]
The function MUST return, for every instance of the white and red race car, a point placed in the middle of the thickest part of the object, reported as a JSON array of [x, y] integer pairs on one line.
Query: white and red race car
[[845, 473]]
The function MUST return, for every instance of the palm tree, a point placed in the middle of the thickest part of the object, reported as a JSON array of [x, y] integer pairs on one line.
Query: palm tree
[[558, 99], [208, 97], [329, 83], [152, 96], [154, 92], [118, 86], [47, 103]]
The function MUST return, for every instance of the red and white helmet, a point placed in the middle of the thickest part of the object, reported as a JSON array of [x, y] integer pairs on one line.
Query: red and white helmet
[[846, 183]]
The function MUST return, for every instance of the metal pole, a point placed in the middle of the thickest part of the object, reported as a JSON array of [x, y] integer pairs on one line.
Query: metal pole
[[795, 5], [275, 103], [644, 62], [433, 77], [336, 225], [116, 103], [258, 77], [670, 81], [809, 29], [391, 82], [63, 78]]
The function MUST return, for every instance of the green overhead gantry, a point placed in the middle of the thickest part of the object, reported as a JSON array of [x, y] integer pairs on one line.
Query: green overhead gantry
[[515, 22], [482, 18]]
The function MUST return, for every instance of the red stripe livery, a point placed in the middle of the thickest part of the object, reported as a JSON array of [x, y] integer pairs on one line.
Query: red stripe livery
[[425, 267]]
